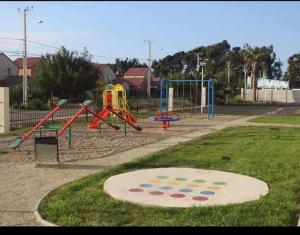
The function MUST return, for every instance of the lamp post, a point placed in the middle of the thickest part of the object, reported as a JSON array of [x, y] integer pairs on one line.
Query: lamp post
[[25, 95], [202, 64]]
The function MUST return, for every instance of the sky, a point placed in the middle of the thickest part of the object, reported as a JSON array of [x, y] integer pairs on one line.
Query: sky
[[112, 30]]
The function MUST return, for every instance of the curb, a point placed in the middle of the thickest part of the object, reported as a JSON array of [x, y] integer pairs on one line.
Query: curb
[[39, 217]]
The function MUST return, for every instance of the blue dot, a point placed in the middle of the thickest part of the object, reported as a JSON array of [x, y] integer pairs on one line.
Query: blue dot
[[165, 187], [185, 190], [207, 193], [146, 185]]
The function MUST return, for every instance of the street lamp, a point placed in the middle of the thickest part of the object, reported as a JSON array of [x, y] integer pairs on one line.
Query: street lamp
[[202, 64]]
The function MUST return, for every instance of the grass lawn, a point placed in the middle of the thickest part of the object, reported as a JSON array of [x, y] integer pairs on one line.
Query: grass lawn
[[277, 119], [270, 154]]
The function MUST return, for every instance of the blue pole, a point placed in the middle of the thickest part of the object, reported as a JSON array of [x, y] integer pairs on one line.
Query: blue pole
[[167, 95], [208, 101]]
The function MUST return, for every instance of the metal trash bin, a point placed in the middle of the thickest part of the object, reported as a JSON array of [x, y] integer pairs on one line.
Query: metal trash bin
[[46, 149]]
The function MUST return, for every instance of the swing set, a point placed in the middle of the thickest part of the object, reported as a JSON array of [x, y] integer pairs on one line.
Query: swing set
[[168, 113]]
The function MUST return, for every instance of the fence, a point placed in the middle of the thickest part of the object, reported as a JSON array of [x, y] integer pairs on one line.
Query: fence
[[274, 95], [20, 118]]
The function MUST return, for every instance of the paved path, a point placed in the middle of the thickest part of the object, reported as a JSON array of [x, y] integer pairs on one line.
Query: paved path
[[23, 185]]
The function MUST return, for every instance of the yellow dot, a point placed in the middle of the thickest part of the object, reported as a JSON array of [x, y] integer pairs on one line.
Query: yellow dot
[[193, 185], [173, 183], [214, 187], [154, 181]]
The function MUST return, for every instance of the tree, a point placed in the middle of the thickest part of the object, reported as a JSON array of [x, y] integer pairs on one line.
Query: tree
[[65, 73], [254, 56], [293, 71]]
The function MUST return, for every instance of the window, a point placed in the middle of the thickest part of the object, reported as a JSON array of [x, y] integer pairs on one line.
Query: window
[[8, 71]]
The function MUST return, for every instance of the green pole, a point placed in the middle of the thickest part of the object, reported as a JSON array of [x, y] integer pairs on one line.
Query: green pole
[[70, 137]]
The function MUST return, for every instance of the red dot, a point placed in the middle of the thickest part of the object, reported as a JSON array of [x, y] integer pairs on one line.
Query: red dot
[[156, 193], [200, 198], [136, 190], [177, 195]]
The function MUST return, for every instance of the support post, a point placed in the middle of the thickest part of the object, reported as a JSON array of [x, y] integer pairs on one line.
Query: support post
[[4, 110]]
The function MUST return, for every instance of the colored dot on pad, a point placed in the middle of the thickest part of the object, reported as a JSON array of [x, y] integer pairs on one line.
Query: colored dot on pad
[[136, 190], [207, 192], [200, 198], [173, 183], [199, 181], [146, 185], [214, 187], [219, 183], [177, 195], [193, 185], [154, 181], [181, 179], [162, 177], [185, 190], [165, 187], [156, 193]]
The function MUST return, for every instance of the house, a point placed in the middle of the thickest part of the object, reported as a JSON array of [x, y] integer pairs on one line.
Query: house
[[8, 72], [7, 67], [32, 63], [105, 72], [137, 78]]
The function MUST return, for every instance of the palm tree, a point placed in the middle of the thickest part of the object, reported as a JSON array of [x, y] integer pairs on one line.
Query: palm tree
[[255, 56]]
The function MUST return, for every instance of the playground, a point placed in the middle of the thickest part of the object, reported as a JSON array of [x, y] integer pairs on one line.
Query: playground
[[163, 169]]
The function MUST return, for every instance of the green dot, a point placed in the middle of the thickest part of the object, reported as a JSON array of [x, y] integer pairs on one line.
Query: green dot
[[162, 177], [180, 179], [199, 181], [219, 183]]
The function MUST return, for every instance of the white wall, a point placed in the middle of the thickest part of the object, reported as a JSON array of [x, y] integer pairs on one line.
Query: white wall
[[274, 95], [4, 110]]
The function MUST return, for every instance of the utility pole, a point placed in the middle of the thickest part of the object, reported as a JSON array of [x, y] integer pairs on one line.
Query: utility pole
[[25, 95], [149, 71], [228, 82]]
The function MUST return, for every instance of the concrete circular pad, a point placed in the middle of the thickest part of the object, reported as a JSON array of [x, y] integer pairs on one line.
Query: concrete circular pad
[[184, 187]]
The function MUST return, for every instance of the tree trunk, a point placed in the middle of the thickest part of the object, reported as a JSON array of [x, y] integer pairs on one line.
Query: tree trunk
[[254, 80]]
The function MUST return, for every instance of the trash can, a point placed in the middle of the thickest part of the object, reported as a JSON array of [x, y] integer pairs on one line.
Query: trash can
[[46, 149]]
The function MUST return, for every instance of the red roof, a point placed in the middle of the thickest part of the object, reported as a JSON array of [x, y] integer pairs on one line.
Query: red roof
[[136, 72], [31, 61]]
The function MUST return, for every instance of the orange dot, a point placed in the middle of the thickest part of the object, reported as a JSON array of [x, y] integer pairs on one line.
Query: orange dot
[[193, 185], [214, 187]]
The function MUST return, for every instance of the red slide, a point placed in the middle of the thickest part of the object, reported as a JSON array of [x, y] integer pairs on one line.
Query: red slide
[[129, 116], [103, 114]]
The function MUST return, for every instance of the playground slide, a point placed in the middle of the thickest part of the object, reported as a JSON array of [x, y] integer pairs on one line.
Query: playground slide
[[129, 116], [18, 141], [103, 114], [123, 118]]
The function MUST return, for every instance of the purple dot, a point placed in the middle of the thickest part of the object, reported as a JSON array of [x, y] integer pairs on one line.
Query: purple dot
[[177, 195], [200, 198], [136, 190], [156, 193]]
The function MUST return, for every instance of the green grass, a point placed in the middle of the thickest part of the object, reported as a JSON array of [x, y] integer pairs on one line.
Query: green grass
[[277, 119], [270, 154]]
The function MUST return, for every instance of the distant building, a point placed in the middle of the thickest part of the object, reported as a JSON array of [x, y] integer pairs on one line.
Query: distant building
[[32, 63], [8, 72], [137, 78], [105, 72]]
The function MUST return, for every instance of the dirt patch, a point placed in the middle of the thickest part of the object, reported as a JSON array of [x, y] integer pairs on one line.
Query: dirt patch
[[90, 143]]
